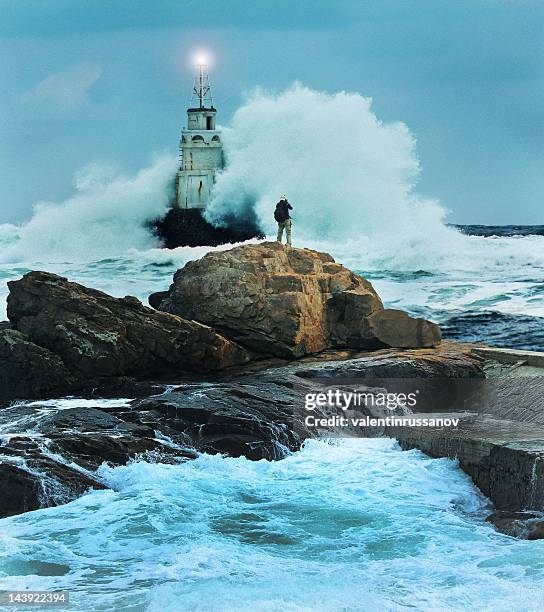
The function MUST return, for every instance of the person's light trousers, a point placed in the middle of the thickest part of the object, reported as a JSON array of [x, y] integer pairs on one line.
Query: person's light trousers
[[287, 226]]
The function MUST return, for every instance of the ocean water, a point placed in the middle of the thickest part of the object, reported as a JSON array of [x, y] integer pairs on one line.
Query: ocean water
[[358, 525], [354, 525]]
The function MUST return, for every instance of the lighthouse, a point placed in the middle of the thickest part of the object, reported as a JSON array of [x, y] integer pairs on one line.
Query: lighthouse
[[200, 159], [200, 148]]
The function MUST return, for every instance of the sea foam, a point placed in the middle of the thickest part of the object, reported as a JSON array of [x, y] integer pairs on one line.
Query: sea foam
[[358, 524]]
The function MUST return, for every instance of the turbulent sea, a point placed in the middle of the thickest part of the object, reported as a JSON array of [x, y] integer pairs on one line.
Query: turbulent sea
[[356, 525], [359, 525]]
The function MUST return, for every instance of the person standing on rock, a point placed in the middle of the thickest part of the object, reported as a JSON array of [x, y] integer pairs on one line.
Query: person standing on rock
[[281, 214]]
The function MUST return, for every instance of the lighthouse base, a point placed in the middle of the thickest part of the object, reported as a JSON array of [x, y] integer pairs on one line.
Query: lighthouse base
[[187, 227]]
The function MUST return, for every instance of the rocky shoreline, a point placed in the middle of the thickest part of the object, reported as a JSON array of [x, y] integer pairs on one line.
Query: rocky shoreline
[[219, 365]]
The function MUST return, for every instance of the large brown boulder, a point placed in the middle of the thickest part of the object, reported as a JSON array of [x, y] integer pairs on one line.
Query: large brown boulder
[[283, 301], [99, 335]]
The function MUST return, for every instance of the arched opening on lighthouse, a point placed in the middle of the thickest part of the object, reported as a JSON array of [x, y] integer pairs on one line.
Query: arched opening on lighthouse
[[216, 138], [198, 138]]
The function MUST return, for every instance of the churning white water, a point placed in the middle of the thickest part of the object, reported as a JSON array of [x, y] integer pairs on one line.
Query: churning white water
[[105, 217], [349, 175], [359, 525]]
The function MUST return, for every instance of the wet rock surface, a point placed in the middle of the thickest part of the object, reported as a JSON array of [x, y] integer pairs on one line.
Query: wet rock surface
[[523, 525], [31, 478], [53, 448], [251, 418], [19, 489], [451, 360], [29, 370]]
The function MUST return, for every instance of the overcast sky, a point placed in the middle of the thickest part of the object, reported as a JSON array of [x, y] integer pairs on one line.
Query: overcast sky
[[107, 81]]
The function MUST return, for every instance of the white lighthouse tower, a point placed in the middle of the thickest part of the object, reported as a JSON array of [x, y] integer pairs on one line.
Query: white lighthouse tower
[[201, 149]]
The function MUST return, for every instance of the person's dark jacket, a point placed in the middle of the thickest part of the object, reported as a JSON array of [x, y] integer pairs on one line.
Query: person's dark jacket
[[283, 207]]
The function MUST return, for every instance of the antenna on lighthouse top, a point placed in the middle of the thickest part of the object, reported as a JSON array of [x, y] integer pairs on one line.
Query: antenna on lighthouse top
[[202, 90]]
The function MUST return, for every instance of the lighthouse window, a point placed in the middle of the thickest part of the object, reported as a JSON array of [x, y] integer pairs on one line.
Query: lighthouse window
[[209, 123], [198, 138], [215, 138]]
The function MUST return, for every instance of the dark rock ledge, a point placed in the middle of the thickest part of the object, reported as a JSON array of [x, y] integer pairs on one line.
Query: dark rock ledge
[[49, 452], [220, 364]]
